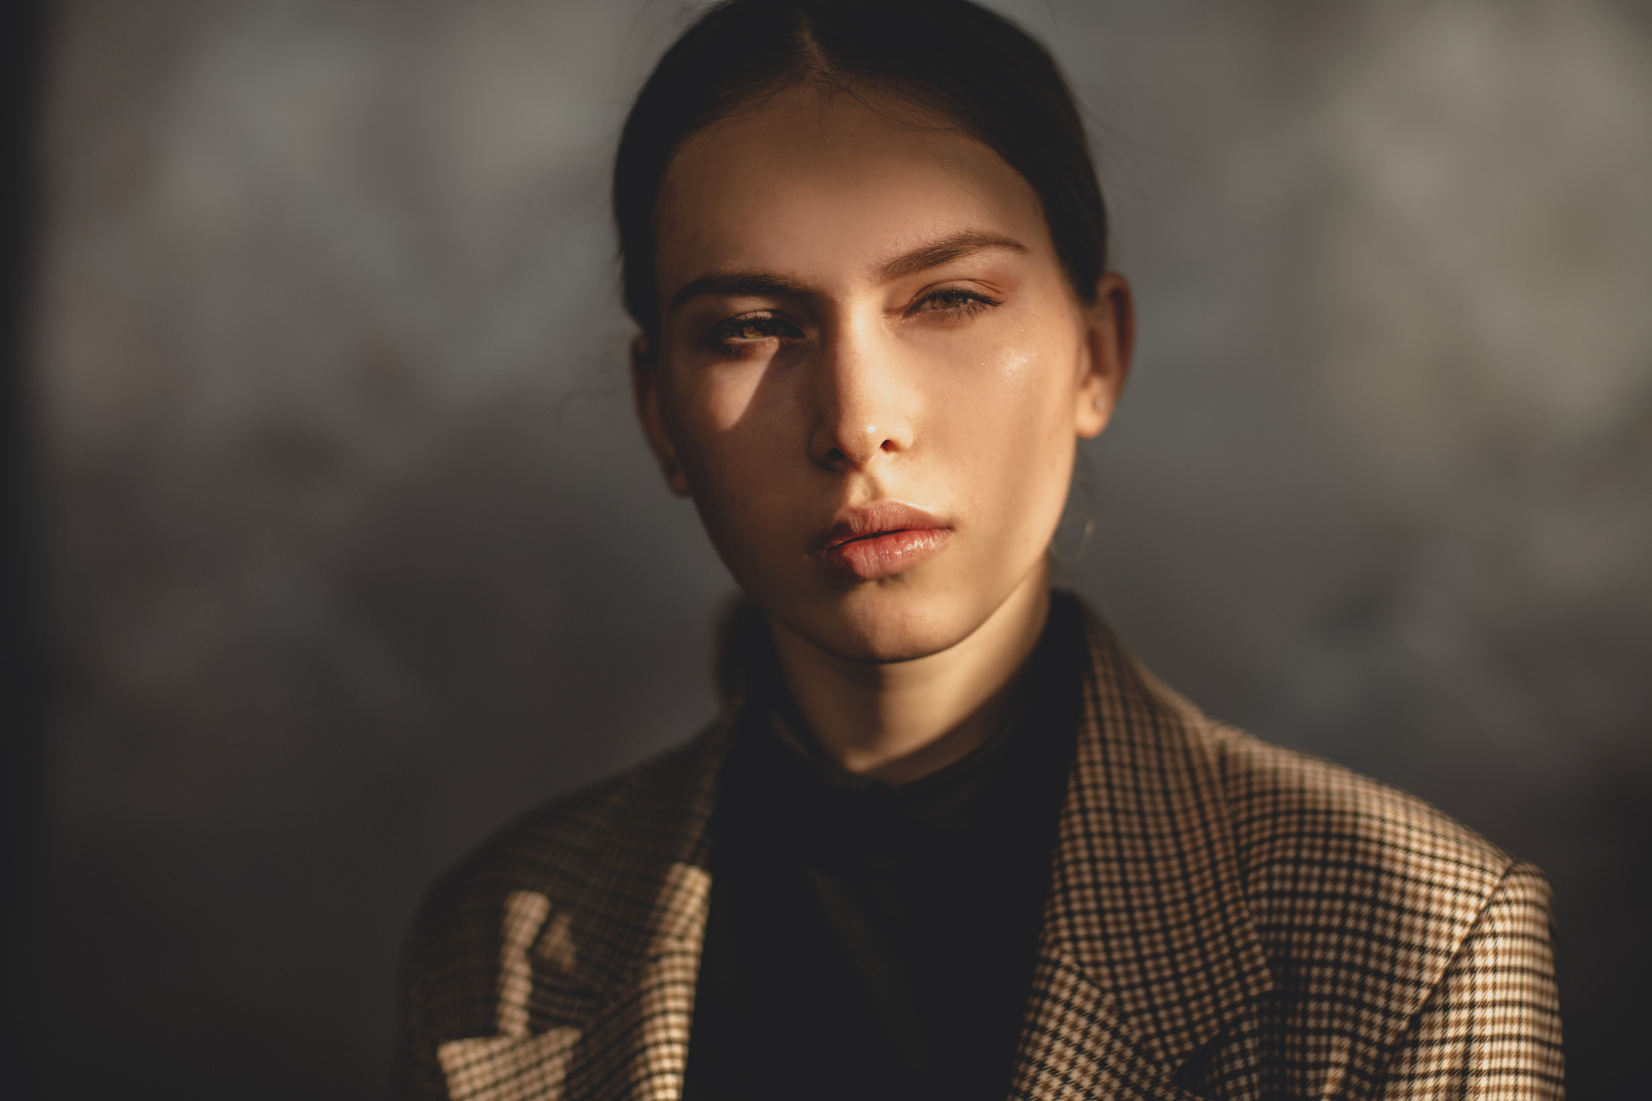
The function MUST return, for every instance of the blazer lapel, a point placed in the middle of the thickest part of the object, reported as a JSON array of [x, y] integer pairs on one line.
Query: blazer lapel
[[596, 973], [638, 1047], [1147, 951], [637, 933]]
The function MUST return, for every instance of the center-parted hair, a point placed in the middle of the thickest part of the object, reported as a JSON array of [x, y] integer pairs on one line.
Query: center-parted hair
[[983, 73]]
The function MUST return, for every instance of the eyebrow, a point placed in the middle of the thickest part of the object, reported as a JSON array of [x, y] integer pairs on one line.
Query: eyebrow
[[945, 250], [738, 283], [928, 256]]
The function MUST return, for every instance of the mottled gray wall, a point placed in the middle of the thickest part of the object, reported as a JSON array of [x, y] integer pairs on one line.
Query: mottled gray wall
[[358, 553]]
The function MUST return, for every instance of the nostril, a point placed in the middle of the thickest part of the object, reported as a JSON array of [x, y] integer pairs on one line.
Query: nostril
[[887, 445]]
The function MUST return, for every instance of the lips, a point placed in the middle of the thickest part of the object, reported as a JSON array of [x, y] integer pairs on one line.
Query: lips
[[882, 540]]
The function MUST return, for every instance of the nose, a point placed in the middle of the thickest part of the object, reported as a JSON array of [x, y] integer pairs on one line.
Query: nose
[[862, 409]]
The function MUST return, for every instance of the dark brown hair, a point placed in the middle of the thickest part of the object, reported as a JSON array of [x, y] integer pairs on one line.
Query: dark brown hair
[[950, 56]]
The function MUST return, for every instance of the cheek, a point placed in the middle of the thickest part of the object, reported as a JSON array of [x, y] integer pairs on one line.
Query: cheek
[[703, 409], [729, 427], [1005, 410], [718, 402]]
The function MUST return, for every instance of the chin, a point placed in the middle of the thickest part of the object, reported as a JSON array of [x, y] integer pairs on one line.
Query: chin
[[887, 622]]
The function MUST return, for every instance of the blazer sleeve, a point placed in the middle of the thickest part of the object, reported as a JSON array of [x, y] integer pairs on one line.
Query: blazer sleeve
[[1490, 1030]]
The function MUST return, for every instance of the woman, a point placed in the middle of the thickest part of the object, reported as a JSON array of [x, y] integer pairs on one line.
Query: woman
[[946, 839]]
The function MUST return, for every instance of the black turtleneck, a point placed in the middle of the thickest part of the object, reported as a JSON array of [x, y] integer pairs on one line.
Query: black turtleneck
[[871, 941]]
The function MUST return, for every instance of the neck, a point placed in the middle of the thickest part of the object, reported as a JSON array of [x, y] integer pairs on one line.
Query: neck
[[899, 721]]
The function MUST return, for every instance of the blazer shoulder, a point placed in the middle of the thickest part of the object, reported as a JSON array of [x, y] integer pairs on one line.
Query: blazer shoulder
[[1291, 808], [1361, 895], [569, 845], [1288, 806], [580, 880]]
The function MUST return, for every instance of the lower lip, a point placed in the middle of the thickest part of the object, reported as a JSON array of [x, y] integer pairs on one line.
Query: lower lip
[[886, 554]]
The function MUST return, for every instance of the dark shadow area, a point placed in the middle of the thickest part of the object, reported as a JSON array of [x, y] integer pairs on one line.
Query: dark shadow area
[[24, 670]]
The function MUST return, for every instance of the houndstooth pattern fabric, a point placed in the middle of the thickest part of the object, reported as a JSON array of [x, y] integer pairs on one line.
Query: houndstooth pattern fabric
[[1226, 920]]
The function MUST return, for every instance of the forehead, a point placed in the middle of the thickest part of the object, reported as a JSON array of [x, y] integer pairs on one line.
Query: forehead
[[824, 187]]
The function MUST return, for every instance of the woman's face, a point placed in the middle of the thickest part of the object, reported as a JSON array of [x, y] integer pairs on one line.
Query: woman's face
[[871, 369]]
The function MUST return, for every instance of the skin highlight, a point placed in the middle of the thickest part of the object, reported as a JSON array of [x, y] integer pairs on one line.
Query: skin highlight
[[861, 308]]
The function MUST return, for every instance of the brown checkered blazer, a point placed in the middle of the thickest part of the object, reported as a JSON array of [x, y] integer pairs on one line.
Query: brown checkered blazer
[[1226, 919]]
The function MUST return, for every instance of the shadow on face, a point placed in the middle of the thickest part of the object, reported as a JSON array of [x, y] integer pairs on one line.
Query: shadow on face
[[871, 368]]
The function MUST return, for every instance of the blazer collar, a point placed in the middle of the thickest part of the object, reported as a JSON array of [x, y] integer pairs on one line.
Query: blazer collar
[[1147, 951]]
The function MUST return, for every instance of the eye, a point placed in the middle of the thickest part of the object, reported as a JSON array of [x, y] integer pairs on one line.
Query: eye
[[731, 335], [955, 301]]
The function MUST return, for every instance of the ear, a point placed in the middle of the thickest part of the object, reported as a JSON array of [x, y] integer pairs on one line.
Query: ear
[[645, 392], [1109, 341]]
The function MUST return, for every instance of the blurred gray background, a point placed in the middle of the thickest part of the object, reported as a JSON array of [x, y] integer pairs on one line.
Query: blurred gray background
[[355, 551]]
